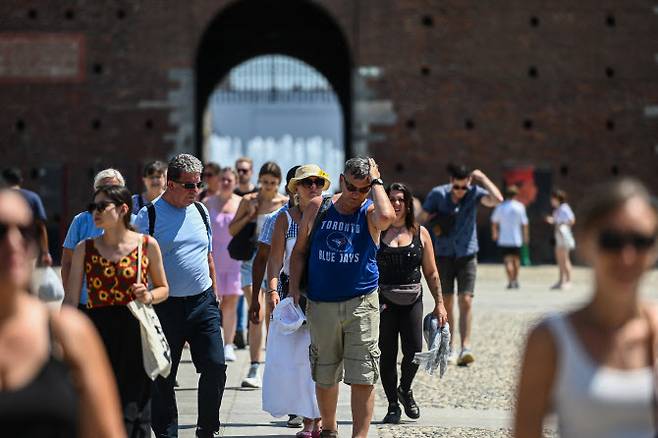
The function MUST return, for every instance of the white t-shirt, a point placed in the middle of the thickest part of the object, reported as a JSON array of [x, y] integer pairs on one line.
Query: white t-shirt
[[563, 214], [510, 217]]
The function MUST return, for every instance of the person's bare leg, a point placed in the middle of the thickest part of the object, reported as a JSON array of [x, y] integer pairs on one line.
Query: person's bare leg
[[255, 330], [509, 268], [229, 317], [448, 302], [516, 267], [567, 266], [465, 301], [363, 403], [327, 403]]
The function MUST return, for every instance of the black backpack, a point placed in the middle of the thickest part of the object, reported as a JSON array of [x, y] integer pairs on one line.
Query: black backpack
[[150, 208]]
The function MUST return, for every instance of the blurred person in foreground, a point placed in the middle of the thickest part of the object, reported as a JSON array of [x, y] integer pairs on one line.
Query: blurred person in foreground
[[451, 210], [595, 366], [83, 227], [55, 379], [110, 266], [14, 178], [405, 250], [155, 180], [509, 229]]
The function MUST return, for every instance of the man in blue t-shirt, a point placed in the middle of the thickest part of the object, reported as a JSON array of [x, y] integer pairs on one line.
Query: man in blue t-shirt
[[191, 314], [342, 301], [14, 179], [450, 212]]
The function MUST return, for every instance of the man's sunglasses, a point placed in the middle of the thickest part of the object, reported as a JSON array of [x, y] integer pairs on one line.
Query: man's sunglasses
[[243, 170], [615, 241], [28, 232], [191, 186], [308, 182], [458, 187], [352, 188], [98, 206]]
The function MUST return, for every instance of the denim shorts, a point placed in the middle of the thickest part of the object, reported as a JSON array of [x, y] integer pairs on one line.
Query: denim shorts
[[245, 274]]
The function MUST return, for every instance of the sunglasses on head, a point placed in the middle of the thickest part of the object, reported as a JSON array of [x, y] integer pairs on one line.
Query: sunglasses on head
[[308, 182], [191, 186], [352, 188], [610, 240], [243, 170], [98, 206], [458, 187], [28, 232]]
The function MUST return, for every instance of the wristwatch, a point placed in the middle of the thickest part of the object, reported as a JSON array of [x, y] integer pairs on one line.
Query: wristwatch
[[376, 181]]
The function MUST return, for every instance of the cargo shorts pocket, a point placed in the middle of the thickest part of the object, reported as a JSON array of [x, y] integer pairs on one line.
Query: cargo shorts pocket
[[363, 369]]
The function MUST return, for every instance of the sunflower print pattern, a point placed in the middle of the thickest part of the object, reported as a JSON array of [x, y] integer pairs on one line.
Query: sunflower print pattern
[[109, 282]]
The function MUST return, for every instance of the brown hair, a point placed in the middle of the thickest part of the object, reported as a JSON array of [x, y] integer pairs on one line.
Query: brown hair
[[270, 168], [213, 167], [119, 195], [244, 160], [560, 195], [606, 198], [409, 215]]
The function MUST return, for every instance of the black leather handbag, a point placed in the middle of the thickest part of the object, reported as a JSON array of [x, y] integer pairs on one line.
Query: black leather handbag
[[243, 245]]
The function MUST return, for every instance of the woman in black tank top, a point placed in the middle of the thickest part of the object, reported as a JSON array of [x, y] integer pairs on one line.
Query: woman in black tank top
[[55, 380], [405, 249]]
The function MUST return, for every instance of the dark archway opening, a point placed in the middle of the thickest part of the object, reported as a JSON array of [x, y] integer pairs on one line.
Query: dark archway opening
[[297, 28]]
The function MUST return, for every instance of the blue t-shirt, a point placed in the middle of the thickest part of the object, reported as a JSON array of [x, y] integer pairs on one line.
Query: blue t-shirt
[[82, 227], [461, 240], [343, 257], [185, 245], [38, 212]]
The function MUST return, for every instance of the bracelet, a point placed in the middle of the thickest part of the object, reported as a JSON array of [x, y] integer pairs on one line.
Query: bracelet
[[272, 290]]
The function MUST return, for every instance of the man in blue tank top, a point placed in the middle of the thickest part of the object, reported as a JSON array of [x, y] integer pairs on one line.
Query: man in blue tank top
[[343, 306]]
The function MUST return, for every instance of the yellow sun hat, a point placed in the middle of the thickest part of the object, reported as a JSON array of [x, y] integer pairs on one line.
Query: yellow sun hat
[[306, 171]]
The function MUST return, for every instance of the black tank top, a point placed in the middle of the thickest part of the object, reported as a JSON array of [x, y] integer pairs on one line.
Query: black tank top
[[47, 407], [400, 265]]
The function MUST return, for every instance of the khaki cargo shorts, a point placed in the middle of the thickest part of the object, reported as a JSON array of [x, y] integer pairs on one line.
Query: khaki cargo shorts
[[344, 336]]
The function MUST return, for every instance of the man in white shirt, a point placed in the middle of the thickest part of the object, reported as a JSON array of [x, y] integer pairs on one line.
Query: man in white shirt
[[509, 228]]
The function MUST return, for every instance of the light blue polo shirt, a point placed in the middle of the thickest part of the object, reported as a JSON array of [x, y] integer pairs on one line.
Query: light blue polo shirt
[[82, 227], [185, 245]]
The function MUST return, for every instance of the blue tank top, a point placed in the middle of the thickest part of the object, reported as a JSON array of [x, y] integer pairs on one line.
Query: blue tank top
[[343, 257]]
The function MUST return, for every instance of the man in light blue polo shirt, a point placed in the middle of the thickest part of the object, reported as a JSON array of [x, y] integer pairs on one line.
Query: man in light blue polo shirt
[[451, 210], [191, 314]]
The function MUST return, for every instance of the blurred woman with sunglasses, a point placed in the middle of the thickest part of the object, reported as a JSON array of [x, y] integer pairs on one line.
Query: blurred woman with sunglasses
[[111, 263], [309, 181], [405, 248], [222, 207], [55, 380], [563, 220], [254, 208], [595, 366]]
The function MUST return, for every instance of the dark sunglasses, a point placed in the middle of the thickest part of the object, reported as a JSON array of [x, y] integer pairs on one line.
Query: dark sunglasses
[[243, 170], [191, 186], [28, 232], [458, 187], [209, 174], [352, 188], [98, 206], [615, 241], [308, 182]]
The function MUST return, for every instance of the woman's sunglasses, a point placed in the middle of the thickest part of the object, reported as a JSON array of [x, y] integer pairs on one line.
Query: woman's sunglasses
[[615, 241], [100, 206], [308, 182], [28, 232]]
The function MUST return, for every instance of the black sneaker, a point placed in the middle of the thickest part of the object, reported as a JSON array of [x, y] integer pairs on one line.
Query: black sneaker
[[238, 341], [202, 433], [393, 415], [410, 406]]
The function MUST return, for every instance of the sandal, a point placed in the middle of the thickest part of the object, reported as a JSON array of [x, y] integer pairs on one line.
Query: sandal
[[304, 434]]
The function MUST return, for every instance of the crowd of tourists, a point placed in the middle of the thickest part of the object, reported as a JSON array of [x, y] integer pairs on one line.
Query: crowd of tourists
[[329, 286]]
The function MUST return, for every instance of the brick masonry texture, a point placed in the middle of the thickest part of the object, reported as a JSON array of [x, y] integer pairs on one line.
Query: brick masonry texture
[[559, 85]]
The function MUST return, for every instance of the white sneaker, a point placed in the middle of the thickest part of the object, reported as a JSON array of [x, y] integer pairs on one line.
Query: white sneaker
[[452, 358], [229, 353], [253, 379]]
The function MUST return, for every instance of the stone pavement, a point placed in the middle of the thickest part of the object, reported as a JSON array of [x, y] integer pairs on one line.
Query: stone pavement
[[468, 402]]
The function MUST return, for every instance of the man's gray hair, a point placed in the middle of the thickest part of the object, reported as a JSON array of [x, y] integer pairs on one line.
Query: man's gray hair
[[108, 173], [358, 167], [183, 163]]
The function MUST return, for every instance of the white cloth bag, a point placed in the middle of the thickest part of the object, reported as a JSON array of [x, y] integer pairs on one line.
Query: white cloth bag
[[287, 383], [47, 285], [155, 348]]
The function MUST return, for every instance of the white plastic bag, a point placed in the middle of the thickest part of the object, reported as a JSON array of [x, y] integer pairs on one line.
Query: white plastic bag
[[47, 284], [289, 315], [287, 383]]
